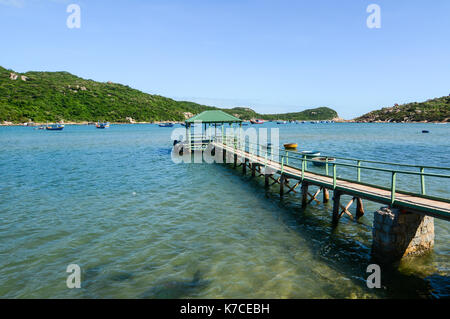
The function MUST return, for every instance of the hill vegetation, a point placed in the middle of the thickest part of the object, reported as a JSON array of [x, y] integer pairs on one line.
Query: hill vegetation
[[56, 96], [434, 110]]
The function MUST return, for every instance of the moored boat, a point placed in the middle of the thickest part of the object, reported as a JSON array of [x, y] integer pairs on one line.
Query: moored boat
[[102, 125], [310, 153], [166, 125], [291, 146], [322, 161], [55, 127], [257, 121]]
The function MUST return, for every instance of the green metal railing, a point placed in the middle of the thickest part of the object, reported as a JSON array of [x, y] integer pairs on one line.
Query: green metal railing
[[286, 155]]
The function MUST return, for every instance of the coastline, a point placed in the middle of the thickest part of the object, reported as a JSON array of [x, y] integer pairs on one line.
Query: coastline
[[177, 122]]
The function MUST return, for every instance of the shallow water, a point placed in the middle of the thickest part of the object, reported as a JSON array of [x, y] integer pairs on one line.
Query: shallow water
[[140, 226]]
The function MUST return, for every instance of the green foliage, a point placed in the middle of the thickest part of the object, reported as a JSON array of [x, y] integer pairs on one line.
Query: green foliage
[[434, 110], [55, 96]]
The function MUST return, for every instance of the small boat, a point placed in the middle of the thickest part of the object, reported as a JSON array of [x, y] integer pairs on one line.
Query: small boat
[[310, 153], [166, 125], [257, 121], [322, 161], [55, 127], [425, 131], [281, 122], [268, 146], [291, 146], [102, 125]]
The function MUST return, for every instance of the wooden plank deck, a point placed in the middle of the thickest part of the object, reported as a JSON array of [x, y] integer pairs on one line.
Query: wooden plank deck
[[435, 208]]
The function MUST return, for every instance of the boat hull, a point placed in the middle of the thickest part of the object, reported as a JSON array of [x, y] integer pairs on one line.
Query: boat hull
[[290, 146], [322, 161]]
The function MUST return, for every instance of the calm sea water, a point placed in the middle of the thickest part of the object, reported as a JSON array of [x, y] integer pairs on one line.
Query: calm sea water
[[141, 226]]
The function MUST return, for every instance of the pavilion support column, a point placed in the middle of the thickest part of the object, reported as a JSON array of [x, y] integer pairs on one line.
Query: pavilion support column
[[359, 208], [336, 205], [304, 194], [282, 181], [326, 195]]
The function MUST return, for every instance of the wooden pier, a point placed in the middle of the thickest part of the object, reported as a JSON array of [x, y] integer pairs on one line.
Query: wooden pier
[[291, 177], [404, 227]]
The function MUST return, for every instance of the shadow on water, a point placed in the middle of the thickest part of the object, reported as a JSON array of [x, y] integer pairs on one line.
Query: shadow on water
[[344, 254], [97, 277], [176, 289]]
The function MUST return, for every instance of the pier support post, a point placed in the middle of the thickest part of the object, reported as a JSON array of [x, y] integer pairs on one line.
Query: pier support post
[[224, 153], [235, 160], [326, 195], [253, 169], [304, 194], [336, 205], [266, 180], [359, 208], [244, 166], [397, 234], [282, 181]]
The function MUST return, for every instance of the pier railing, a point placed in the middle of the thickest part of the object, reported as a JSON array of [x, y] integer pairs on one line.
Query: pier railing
[[283, 157]]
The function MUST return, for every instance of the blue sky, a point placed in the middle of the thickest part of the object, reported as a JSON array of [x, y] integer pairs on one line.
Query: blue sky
[[273, 56]]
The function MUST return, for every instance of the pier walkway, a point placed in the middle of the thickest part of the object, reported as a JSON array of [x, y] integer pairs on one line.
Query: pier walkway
[[404, 227], [422, 204]]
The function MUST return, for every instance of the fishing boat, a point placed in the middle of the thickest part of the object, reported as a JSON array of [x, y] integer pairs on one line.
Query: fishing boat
[[310, 153], [257, 121], [54, 127], [166, 125], [290, 146], [102, 125], [281, 122], [322, 161]]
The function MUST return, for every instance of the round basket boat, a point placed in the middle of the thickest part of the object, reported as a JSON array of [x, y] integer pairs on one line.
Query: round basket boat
[[322, 161], [290, 146]]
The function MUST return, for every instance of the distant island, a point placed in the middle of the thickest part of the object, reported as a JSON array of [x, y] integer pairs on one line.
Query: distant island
[[61, 96], [433, 110]]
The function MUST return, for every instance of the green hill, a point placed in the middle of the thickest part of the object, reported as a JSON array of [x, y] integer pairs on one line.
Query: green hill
[[55, 96], [434, 110], [319, 114]]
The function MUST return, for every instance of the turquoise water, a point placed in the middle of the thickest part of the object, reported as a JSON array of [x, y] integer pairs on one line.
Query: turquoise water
[[140, 226]]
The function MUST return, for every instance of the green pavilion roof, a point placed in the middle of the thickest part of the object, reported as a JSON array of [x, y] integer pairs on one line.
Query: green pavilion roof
[[214, 117]]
